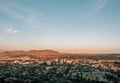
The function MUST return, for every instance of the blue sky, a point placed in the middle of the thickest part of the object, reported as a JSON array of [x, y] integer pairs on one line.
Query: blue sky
[[64, 25]]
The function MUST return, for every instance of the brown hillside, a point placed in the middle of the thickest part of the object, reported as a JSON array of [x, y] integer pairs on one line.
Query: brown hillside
[[29, 53]]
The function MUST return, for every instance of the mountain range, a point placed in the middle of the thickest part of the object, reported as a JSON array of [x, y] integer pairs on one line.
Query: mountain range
[[33, 53]]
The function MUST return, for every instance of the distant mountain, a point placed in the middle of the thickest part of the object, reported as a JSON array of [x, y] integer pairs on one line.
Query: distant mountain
[[47, 54], [1, 50], [33, 53]]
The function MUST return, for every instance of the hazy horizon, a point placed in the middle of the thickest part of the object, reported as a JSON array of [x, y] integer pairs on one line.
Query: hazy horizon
[[67, 26]]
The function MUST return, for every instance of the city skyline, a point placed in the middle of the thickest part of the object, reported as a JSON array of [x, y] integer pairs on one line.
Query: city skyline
[[85, 26]]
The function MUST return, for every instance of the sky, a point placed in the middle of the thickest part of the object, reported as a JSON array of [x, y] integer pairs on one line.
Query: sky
[[79, 26]]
